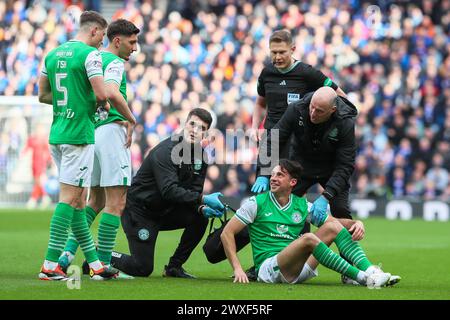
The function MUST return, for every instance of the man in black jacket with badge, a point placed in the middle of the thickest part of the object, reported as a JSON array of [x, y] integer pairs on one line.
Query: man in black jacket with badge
[[166, 194]]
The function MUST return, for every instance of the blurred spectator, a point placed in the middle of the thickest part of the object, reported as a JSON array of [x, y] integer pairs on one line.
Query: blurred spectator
[[398, 182], [438, 174], [209, 54], [37, 144], [3, 161]]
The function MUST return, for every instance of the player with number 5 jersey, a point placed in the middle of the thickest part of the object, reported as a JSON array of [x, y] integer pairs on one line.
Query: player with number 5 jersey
[[111, 174], [69, 68], [72, 81]]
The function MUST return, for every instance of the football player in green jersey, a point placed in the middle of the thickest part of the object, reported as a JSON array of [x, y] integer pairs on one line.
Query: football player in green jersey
[[72, 81], [112, 161], [275, 219]]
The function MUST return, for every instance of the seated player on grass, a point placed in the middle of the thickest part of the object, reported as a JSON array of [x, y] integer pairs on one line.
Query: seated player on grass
[[275, 218]]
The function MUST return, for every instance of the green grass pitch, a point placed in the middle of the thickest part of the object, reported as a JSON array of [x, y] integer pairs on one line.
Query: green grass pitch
[[418, 251]]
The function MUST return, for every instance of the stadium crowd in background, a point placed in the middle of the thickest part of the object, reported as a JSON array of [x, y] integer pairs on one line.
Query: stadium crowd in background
[[209, 54]]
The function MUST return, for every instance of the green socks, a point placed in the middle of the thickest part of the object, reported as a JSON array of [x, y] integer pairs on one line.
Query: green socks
[[59, 230], [351, 250], [72, 243], [82, 233], [107, 232], [333, 261]]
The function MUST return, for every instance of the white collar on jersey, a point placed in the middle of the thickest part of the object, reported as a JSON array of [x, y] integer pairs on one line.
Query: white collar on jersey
[[274, 199]]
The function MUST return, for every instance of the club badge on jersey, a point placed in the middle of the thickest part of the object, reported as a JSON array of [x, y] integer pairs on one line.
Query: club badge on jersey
[[143, 234], [197, 165]]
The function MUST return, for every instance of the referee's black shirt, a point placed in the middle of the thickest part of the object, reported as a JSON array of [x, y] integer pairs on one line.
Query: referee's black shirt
[[281, 88]]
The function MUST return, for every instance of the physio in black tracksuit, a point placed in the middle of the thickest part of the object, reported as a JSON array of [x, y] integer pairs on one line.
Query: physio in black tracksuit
[[323, 125], [166, 194]]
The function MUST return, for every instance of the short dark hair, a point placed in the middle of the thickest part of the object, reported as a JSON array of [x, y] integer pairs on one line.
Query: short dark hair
[[294, 168], [203, 114], [281, 36], [121, 27], [93, 17]]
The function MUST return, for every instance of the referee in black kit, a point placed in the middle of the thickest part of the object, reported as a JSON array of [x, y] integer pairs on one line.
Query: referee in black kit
[[166, 194], [284, 81]]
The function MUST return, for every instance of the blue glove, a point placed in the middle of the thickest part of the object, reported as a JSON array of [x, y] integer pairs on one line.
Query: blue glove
[[261, 185], [319, 211], [211, 213], [212, 200]]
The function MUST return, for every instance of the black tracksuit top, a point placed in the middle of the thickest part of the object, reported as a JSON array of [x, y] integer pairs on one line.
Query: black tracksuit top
[[161, 184], [282, 88]]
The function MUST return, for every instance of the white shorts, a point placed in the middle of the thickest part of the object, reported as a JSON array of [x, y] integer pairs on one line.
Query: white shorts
[[269, 272], [74, 163], [112, 160]]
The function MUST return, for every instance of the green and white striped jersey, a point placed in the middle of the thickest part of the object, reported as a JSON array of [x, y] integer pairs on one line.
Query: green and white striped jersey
[[272, 227], [69, 68]]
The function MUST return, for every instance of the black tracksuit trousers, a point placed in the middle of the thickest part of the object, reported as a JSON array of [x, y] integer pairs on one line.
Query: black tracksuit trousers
[[142, 229]]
